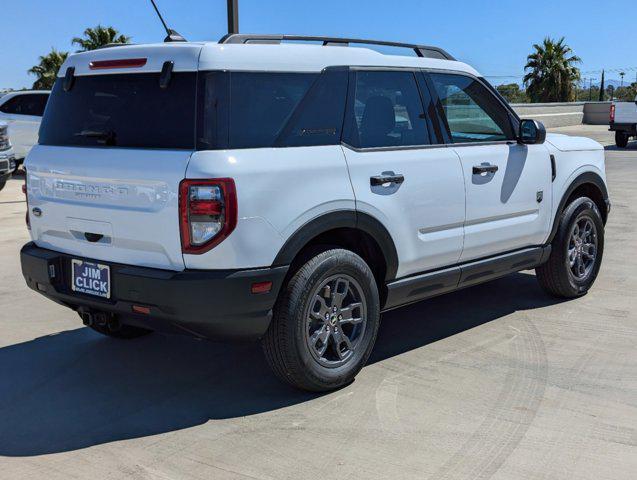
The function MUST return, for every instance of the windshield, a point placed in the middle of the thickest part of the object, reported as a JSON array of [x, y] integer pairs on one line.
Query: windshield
[[129, 110]]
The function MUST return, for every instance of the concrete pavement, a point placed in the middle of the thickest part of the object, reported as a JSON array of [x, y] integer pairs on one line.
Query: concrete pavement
[[497, 381]]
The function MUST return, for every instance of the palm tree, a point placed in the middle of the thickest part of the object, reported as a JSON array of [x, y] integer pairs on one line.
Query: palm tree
[[99, 37], [47, 69], [552, 75]]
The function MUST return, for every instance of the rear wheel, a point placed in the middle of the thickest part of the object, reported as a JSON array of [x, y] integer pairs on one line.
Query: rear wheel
[[325, 322], [621, 139], [577, 250]]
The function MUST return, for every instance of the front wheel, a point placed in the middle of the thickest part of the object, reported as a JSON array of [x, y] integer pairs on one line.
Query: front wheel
[[576, 253], [2, 184], [325, 322], [621, 139]]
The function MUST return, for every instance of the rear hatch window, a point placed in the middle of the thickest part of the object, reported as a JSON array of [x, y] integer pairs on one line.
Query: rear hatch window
[[122, 110]]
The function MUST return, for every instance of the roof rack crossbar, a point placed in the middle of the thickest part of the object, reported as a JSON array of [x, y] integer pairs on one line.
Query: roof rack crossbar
[[420, 50]]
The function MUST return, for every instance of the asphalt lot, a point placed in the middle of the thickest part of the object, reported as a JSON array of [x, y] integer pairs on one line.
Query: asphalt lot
[[497, 381]]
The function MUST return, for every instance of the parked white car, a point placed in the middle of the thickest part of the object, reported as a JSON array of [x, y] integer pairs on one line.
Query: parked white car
[[7, 157], [623, 121], [293, 192], [23, 111]]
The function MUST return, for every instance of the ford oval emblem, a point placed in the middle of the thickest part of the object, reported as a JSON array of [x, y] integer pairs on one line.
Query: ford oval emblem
[[37, 212]]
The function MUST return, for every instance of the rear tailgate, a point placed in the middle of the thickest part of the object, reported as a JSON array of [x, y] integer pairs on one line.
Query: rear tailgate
[[626, 112], [113, 150], [128, 197]]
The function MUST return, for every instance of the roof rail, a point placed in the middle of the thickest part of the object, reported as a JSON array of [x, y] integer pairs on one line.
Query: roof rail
[[420, 50]]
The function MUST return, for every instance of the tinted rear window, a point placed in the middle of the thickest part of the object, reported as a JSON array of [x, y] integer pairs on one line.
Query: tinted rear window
[[259, 109], [125, 110]]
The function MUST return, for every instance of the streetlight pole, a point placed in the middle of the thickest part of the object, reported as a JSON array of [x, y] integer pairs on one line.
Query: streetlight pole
[[233, 16]]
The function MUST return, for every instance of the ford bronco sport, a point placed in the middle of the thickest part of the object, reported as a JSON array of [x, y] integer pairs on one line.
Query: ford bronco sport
[[291, 192]]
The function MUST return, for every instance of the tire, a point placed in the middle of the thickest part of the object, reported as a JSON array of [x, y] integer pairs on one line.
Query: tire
[[2, 184], [621, 139], [558, 277], [300, 329]]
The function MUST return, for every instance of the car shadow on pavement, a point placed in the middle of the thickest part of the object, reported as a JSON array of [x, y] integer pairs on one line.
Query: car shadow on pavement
[[76, 389], [613, 148]]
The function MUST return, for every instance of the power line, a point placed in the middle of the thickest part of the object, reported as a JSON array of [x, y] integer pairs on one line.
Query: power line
[[585, 72]]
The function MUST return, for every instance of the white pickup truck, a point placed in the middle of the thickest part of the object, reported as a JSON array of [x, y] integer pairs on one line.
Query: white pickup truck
[[623, 121]]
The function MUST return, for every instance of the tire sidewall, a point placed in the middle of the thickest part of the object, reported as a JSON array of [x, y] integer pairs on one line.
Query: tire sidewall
[[338, 262], [621, 139], [580, 208]]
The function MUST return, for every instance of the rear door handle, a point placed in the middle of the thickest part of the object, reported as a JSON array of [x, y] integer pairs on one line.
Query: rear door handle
[[486, 168], [395, 179]]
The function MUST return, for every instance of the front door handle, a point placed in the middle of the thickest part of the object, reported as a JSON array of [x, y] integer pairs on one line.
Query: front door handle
[[486, 168], [383, 179]]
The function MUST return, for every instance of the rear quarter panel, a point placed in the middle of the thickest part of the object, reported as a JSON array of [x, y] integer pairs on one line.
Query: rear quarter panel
[[278, 191], [626, 112]]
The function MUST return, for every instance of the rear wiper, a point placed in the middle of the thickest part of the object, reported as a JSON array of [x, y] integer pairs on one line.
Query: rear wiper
[[107, 137]]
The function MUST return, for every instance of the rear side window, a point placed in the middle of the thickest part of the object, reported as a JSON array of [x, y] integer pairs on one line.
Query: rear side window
[[472, 112], [125, 110], [318, 120], [387, 111], [32, 104], [263, 109]]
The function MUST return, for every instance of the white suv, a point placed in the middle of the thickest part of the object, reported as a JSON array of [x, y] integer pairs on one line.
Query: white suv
[[254, 188], [23, 112]]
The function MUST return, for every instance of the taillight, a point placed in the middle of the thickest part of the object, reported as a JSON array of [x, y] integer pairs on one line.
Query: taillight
[[207, 213], [24, 191], [612, 113]]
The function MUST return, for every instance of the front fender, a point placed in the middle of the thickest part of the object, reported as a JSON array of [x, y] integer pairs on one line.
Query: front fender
[[591, 176]]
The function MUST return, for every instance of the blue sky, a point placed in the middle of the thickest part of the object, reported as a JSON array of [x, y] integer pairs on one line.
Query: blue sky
[[494, 36]]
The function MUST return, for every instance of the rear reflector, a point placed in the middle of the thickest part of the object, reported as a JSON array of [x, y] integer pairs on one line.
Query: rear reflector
[[261, 287], [205, 207], [141, 309], [123, 63], [612, 113]]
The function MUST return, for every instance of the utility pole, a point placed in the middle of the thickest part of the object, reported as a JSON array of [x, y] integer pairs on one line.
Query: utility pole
[[233, 16], [590, 89]]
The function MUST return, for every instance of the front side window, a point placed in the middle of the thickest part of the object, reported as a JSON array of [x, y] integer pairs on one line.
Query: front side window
[[473, 113], [387, 111]]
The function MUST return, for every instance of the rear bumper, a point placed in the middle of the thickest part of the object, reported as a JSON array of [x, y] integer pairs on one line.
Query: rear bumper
[[630, 128], [206, 303]]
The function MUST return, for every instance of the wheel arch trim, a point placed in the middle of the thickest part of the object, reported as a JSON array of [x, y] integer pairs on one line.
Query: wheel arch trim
[[582, 179], [341, 219]]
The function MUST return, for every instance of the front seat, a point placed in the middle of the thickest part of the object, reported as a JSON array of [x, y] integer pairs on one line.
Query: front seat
[[379, 119]]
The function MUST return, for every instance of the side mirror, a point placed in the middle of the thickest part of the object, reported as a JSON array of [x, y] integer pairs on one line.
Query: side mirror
[[531, 132]]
